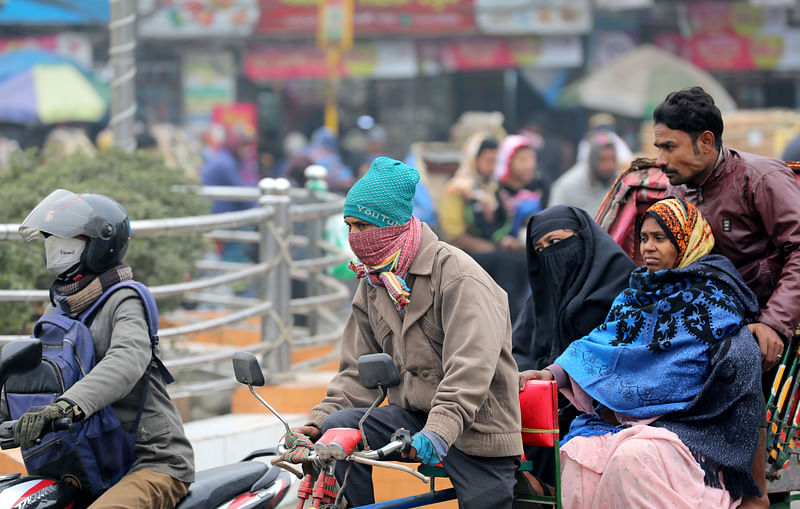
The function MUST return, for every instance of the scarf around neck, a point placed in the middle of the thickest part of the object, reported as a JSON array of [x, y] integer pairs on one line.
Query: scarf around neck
[[76, 296], [384, 256]]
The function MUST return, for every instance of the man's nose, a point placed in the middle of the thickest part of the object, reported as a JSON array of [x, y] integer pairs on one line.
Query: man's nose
[[662, 160]]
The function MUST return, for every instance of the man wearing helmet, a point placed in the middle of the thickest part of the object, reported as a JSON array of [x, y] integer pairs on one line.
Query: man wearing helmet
[[86, 237]]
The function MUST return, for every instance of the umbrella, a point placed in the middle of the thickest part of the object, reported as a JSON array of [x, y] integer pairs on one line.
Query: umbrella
[[50, 93], [634, 84]]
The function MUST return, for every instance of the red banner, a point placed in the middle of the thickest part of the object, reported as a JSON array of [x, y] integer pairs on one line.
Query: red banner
[[371, 17], [477, 54], [271, 63], [366, 60], [735, 36], [242, 115]]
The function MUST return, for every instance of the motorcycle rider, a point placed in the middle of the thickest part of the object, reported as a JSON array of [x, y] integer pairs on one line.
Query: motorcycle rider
[[446, 324], [86, 237]]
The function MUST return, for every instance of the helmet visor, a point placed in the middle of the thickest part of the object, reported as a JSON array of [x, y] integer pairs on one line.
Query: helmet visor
[[62, 213]]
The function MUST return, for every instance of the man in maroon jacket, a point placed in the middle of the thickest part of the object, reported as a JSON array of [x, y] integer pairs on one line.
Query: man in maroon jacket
[[753, 205]]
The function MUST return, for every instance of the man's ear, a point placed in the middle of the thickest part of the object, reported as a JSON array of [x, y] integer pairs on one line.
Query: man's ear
[[706, 142]]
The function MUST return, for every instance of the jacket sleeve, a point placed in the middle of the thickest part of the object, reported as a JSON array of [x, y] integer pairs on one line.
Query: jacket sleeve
[[776, 197], [123, 364], [345, 390], [476, 325]]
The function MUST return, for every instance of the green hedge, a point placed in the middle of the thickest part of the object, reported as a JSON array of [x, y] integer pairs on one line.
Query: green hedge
[[141, 182]]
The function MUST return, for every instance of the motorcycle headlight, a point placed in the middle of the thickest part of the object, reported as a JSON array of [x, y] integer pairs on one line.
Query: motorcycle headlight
[[323, 450], [336, 451]]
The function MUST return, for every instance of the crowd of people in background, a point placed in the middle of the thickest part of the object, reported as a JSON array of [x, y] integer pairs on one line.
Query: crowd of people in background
[[500, 180]]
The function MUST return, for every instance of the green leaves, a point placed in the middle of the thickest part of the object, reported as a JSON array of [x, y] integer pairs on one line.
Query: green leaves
[[141, 182]]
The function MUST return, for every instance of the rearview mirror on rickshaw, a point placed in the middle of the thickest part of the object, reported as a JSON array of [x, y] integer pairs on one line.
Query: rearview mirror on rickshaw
[[248, 371], [376, 371], [19, 357]]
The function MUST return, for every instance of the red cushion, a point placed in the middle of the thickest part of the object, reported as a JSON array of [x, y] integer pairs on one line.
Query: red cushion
[[539, 405]]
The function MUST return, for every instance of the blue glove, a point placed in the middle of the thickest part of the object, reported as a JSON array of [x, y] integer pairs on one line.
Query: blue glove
[[427, 451]]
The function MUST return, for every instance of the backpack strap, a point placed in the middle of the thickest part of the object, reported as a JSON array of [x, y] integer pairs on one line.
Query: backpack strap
[[151, 316]]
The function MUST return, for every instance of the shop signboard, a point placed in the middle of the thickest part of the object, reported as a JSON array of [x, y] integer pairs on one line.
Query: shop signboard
[[239, 116], [371, 17], [62, 12], [381, 60], [774, 3], [242, 115], [500, 53], [514, 17], [275, 62], [208, 81], [396, 59], [735, 37], [618, 5], [71, 45], [190, 18]]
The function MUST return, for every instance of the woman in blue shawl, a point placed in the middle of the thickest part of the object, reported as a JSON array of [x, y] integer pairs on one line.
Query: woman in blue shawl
[[669, 383]]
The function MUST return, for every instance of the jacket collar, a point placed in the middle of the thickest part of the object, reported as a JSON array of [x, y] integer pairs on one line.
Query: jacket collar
[[720, 168]]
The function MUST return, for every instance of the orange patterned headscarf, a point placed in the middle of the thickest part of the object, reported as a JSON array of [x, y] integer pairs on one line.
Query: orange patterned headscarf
[[686, 228]]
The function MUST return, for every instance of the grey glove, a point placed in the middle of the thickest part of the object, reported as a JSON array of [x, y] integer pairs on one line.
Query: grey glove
[[29, 427]]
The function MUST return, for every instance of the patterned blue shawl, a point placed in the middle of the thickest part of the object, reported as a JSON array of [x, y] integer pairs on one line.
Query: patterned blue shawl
[[673, 345]]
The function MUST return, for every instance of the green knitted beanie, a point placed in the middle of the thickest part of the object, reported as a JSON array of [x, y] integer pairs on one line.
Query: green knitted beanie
[[384, 196]]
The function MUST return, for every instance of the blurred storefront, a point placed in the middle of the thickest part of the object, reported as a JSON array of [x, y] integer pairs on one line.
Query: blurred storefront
[[415, 65]]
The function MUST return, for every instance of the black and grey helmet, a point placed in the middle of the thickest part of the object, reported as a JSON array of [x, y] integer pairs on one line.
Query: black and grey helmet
[[98, 217]]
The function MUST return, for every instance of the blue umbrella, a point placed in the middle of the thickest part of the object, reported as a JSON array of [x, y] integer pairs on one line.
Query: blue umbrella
[[17, 62]]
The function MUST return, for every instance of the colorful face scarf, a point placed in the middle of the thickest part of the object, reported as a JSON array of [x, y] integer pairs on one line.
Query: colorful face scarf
[[385, 255], [688, 230]]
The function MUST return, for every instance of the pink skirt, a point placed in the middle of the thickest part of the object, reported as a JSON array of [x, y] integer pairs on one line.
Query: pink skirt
[[639, 467]]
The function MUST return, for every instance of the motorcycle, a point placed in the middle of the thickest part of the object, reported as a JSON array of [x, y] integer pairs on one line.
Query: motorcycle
[[247, 484]]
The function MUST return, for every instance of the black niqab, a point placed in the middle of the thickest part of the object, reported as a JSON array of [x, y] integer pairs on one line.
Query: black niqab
[[596, 270]]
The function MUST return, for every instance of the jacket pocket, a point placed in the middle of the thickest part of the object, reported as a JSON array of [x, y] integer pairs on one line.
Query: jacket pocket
[[433, 333], [422, 385], [152, 427], [383, 333], [485, 412]]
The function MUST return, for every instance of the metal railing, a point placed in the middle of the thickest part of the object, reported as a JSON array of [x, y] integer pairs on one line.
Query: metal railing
[[280, 210]]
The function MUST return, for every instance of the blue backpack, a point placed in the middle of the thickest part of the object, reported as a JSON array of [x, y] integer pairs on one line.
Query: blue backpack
[[97, 451]]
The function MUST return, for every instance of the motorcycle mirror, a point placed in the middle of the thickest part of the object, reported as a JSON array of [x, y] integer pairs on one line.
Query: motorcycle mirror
[[19, 357], [247, 369], [377, 370]]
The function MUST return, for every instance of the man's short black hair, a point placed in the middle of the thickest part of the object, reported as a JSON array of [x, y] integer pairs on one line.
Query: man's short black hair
[[488, 143], [692, 111]]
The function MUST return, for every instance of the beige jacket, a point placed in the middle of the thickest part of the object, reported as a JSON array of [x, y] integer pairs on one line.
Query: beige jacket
[[452, 346]]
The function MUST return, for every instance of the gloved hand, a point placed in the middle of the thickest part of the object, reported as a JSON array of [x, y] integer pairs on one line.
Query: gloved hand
[[32, 422], [298, 446], [426, 451]]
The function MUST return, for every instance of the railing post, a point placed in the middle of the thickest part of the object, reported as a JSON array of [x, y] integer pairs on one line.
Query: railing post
[[275, 286], [317, 185]]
